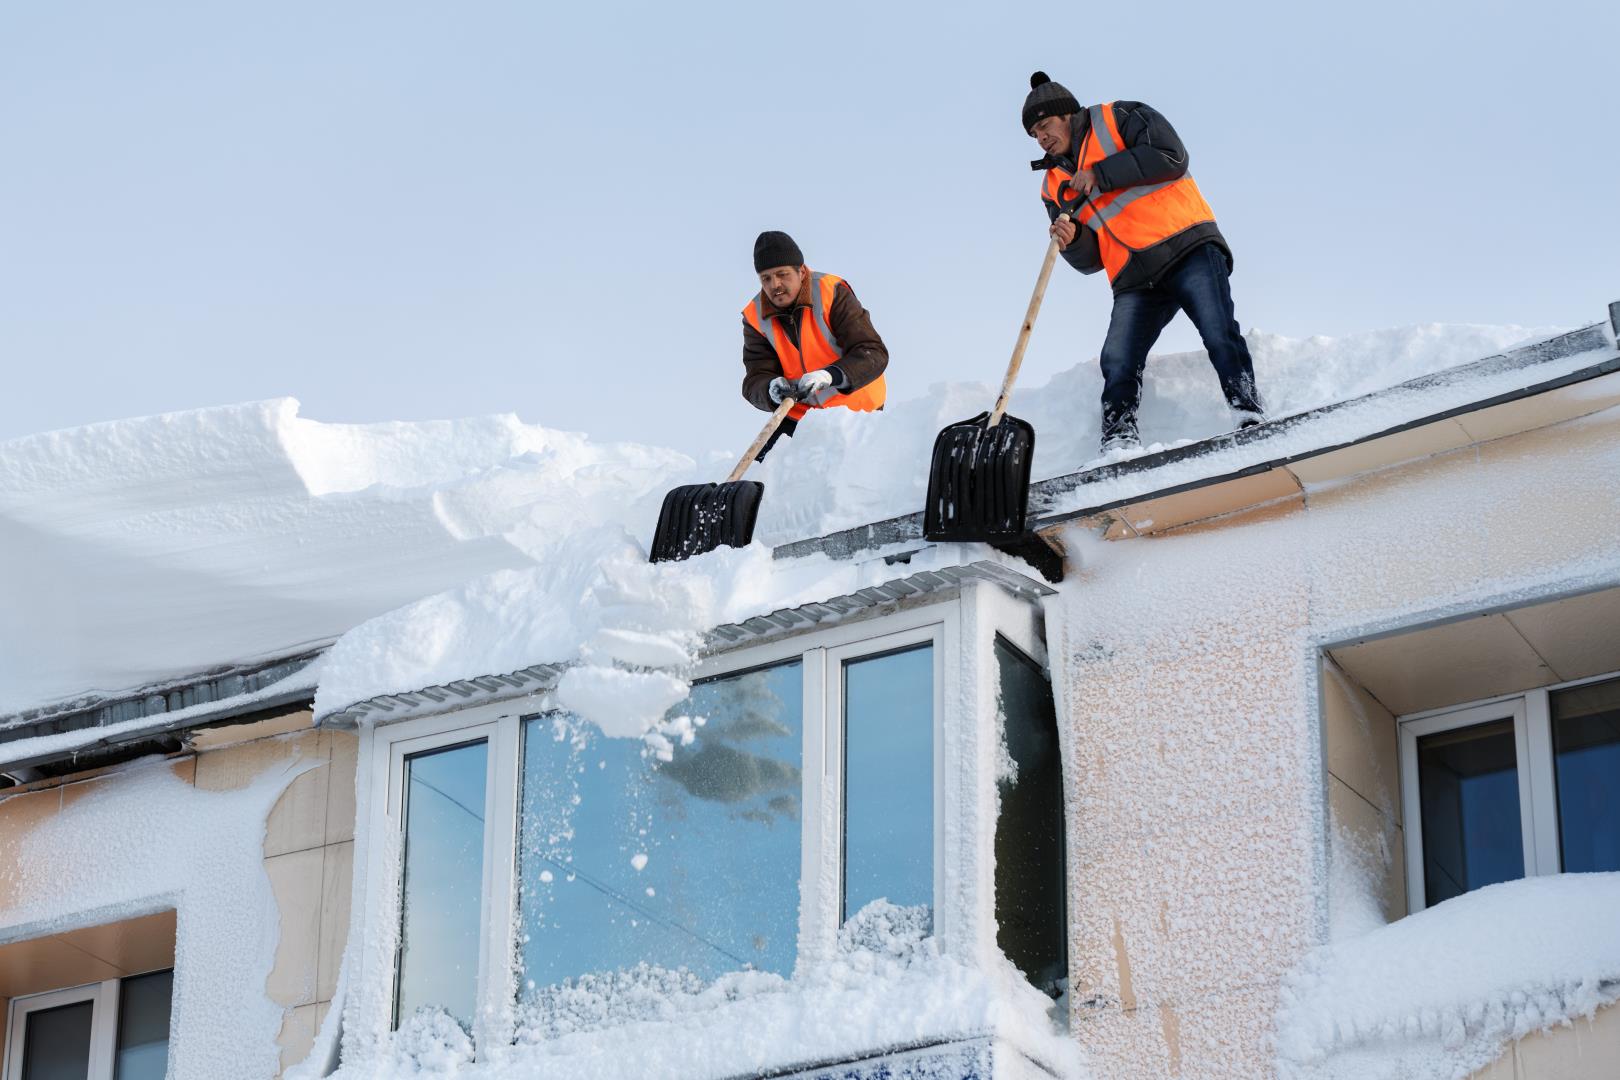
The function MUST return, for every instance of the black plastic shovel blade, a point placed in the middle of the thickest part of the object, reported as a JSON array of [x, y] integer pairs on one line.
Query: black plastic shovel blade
[[978, 484], [701, 517]]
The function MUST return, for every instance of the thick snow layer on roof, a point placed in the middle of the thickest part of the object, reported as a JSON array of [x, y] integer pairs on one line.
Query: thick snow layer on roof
[[1181, 402], [1436, 995], [162, 546], [159, 547]]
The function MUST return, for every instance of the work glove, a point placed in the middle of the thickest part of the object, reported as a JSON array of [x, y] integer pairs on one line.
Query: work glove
[[781, 389], [816, 387]]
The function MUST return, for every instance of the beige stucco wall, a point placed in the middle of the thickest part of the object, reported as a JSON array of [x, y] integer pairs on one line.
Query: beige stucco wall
[[308, 847], [1363, 779], [1187, 668], [1588, 1049], [308, 855]]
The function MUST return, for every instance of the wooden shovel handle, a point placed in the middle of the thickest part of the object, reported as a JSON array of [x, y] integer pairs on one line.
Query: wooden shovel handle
[[764, 436], [1028, 327]]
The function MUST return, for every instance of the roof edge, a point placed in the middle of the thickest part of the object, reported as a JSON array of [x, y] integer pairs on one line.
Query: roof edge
[[907, 528]]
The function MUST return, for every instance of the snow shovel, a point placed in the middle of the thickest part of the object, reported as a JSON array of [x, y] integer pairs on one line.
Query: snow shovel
[[978, 484], [701, 517]]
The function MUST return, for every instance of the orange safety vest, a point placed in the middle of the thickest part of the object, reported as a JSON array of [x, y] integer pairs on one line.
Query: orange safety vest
[[817, 347], [1132, 218]]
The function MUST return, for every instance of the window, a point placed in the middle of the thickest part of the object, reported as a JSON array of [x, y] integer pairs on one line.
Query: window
[[112, 1030], [450, 799], [442, 880], [1520, 786], [1586, 770], [888, 727], [1031, 875], [666, 875], [541, 864]]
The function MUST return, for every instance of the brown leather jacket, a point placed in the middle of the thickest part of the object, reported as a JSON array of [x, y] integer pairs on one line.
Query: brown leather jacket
[[864, 359]]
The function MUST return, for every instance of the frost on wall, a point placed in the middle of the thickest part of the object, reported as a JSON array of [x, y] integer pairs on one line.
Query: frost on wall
[[1187, 666], [144, 839]]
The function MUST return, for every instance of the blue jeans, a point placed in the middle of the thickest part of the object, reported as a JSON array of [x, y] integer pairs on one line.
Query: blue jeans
[[1197, 285]]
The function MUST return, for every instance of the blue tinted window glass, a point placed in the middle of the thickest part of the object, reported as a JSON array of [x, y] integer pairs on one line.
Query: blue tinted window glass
[[1586, 755], [889, 779], [641, 877], [1469, 785], [56, 1045], [143, 1026], [443, 881]]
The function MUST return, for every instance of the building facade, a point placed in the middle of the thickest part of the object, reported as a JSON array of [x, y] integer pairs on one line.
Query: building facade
[[1118, 803]]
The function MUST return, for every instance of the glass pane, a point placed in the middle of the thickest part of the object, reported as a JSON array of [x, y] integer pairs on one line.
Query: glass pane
[[143, 1026], [1469, 789], [57, 1043], [443, 881], [1030, 886], [889, 779], [1586, 757], [642, 878]]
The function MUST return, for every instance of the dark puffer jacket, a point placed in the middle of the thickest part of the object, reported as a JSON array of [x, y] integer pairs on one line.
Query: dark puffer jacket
[[1152, 153], [864, 359]]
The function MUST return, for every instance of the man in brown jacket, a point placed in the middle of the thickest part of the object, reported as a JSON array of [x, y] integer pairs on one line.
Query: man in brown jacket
[[806, 337]]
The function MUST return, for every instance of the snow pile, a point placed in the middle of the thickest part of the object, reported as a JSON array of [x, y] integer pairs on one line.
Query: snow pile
[[630, 627], [1181, 403], [159, 547], [885, 985], [1436, 995]]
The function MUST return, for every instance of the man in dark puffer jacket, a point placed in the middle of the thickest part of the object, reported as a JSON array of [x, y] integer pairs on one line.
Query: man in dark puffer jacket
[[1120, 172]]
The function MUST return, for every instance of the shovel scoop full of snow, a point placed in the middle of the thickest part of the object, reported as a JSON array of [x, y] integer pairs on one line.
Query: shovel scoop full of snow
[[978, 483], [701, 517]]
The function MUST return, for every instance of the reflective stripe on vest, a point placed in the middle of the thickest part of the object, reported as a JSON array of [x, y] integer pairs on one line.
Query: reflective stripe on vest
[[817, 347], [1129, 219]]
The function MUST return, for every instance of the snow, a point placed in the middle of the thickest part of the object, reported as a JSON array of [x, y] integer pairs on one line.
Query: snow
[[158, 547], [1181, 402], [430, 552], [67, 742], [1186, 670], [162, 546], [144, 840], [1439, 993], [886, 984]]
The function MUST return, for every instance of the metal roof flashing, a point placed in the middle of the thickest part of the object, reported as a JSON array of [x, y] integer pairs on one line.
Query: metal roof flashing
[[1062, 500], [905, 590]]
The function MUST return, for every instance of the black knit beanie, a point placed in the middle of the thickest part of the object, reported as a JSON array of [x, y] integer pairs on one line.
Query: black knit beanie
[[776, 249], [1046, 98]]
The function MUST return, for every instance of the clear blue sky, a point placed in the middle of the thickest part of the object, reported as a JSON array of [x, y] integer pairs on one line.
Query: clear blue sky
[[412, 210]]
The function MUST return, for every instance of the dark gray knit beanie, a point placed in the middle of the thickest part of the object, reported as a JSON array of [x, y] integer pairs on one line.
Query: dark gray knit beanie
[[776, 249], [1047, 98]]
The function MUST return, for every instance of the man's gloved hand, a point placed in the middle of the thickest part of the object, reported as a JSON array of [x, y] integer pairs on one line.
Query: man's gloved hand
[[816, 386], [781, 389]]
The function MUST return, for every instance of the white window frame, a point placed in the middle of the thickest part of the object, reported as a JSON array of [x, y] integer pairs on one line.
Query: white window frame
[[103, 1025], [391, 746], [833, 759], [1531, 713], [821, 653]]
